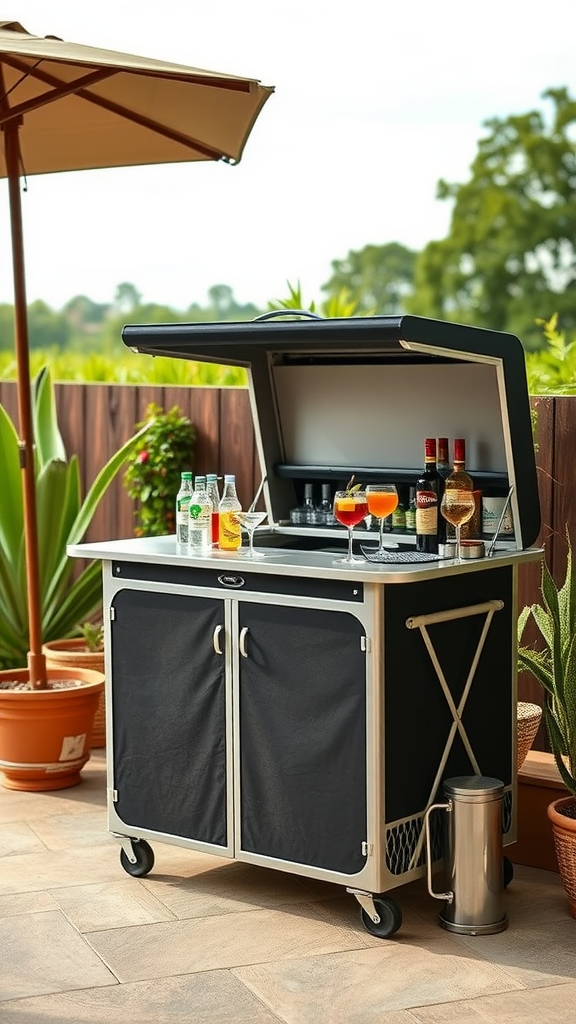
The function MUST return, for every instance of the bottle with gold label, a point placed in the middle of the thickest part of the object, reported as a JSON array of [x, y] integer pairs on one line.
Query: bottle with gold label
[[229, 532]]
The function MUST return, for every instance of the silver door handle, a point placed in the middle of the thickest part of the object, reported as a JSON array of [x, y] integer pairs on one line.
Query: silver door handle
[[216, 640], [242, 642]]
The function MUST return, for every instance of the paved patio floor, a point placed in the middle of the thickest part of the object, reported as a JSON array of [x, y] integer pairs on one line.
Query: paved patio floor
[[212, 941]]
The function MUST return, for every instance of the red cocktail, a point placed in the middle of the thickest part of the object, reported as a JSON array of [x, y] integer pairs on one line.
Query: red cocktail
[[350, 508]]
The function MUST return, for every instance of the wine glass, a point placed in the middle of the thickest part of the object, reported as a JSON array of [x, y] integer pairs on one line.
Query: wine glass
[[350, 508], [250, 520], [382, 500], [457, 507]]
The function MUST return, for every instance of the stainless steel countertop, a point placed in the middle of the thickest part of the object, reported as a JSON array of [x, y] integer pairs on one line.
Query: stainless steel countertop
[[279, 561]]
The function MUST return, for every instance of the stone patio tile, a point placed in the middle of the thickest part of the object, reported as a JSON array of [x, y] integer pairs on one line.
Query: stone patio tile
[[26, 903], [17, 837], [221, 941], [33, 872], [361, 986], [216, 886], [215, 997], [110, 905], [540, 1006], [43, 953], [535, 952], [65, 831], [345, 910]]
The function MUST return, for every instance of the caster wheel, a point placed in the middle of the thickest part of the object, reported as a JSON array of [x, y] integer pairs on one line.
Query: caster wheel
[[144, 859], [390, 918], [508, 872]]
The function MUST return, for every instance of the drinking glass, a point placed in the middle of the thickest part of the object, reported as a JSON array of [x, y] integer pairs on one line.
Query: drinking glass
[[350, 508], [457, 507], [250, 520], [382, 500]]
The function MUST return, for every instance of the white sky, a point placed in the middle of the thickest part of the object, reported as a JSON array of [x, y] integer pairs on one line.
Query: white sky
[[375, 101]]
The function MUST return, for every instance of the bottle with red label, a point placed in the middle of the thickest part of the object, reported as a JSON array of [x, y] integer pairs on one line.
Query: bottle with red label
[[429, 489]]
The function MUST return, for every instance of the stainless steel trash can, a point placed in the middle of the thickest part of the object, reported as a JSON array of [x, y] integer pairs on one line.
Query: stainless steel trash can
[[473, 858]]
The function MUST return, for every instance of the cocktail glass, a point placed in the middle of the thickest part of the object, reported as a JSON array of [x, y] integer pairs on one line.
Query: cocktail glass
[[350, 508], [457, 507], [250, 520], [382, 500]]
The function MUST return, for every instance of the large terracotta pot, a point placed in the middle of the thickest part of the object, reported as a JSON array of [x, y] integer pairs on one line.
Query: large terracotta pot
[[562, 814], [45, 735], [73, 654]]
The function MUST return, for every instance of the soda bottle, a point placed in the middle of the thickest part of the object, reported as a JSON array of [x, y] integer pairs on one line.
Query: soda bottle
[[200, 513], [229, 533], [182, 512], [214, 495]]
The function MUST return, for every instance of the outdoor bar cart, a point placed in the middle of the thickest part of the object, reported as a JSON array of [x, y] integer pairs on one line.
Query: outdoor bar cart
[[301, 714]]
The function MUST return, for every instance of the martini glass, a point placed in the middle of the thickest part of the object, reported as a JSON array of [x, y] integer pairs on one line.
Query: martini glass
[[350, 509], [250, 520], [382, 500]]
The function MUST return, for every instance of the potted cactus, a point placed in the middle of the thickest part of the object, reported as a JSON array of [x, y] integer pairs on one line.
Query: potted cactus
[[554, 666]]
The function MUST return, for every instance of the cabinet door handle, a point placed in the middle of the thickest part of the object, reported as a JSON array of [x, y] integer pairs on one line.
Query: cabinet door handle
[[216, 640], [242, 642]]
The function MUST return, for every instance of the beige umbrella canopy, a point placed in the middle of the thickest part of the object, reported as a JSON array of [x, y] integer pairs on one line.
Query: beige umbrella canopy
[[65, 107]]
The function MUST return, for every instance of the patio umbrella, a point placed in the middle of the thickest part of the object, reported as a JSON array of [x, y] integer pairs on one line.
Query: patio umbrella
[[64, 107]]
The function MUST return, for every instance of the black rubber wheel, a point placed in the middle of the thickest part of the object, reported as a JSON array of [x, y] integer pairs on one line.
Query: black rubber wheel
[[508, 872], [144, 858], [390, 918]]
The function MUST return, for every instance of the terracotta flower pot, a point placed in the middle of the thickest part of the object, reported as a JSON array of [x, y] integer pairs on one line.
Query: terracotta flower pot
[[562, 814], [45, 735], [73, 654]]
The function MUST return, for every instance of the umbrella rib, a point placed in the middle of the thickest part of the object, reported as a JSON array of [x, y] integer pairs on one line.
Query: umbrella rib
[[57, 94], [115, 108]]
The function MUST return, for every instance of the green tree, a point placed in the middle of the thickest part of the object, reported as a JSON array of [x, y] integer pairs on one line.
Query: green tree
[[127, 297], [510, 253], [47, 328], [378, 277]]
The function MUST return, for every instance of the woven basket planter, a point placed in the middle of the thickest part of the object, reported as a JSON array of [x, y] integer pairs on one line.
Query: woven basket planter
[[528, 718], [562, 814], [73, 654]]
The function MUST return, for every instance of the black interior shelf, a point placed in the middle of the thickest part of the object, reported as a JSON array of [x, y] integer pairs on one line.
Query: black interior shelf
[[380, 474]]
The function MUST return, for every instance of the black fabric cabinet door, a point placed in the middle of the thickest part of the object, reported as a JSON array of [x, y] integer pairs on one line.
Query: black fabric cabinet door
[[303, 736], [168, 699]]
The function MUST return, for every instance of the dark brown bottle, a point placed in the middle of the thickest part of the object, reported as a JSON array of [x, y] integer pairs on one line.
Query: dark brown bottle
[[429, 489]]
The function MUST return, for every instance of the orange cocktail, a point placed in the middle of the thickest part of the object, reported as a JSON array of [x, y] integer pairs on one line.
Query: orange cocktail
[[381, 503]]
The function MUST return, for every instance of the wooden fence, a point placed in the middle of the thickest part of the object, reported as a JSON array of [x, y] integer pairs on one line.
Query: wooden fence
[[96, 419]]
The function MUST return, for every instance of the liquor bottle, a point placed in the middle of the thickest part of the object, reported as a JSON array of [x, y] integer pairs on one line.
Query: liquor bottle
[[200, 512], [325, 511], [229, 533], [309, 509], [214, 495], [429, 490], [182, 512], [411, 511], [443, 465], [459, 480]]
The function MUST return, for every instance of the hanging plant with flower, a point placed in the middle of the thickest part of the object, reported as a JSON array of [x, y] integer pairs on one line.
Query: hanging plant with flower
[[153, 476]]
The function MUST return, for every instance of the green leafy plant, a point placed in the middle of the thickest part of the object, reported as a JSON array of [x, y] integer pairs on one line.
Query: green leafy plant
[[555, 665], [153, 476], [93, 634], [63, 517], [552, 369]]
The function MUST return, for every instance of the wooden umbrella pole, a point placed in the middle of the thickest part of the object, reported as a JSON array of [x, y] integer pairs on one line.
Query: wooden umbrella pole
[[36, 659]]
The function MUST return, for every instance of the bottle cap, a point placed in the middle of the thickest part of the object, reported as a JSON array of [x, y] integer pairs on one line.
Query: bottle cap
[[443, 449], [200, 480], [186, 475], [229, 478], [430, 448], [211, 477], [459, 450]]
